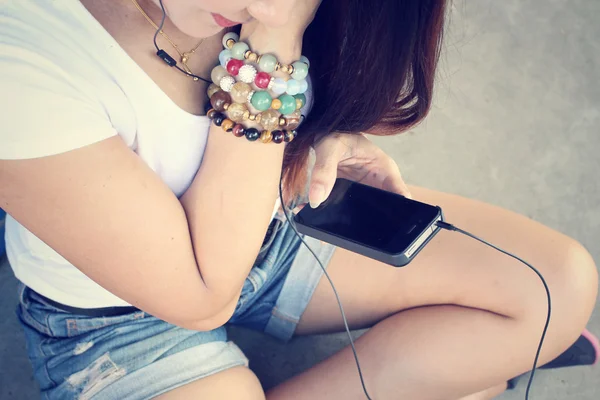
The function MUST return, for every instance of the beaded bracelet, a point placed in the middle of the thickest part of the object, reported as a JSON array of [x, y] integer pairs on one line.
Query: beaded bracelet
[[232, 58], [270, 119], [248, 74], [252, 134], [241, 92], [266, 62]]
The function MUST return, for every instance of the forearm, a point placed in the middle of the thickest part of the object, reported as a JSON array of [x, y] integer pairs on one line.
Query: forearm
[[229, 207], [230, 202]]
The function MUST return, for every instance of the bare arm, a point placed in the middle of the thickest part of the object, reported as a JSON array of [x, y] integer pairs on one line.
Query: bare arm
[[107, 213], [104, 210]]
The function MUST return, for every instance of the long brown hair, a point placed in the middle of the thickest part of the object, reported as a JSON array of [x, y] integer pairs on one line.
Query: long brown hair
[[372, 67]]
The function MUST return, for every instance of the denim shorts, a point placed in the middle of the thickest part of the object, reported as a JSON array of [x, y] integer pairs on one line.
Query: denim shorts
[[137, 356]]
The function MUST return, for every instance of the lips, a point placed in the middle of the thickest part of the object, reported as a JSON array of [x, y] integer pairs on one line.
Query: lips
[[224, 22]]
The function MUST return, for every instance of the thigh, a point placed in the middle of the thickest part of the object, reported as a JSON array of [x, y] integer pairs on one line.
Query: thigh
[[456, 270], [236, 383]]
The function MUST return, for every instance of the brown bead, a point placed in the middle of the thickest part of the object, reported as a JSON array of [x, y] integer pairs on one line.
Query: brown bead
[[288, 136], [240, 92], [292, 121], [270, 120], [236, 111], [212, 89], [266, 137], [227, 125], [276, 104], [219, 99], [277, 136], [211, 113], [238, 130]]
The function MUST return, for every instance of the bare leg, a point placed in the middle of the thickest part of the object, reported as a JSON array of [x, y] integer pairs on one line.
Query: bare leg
[[236, 383], [487, 394], [460, 319]]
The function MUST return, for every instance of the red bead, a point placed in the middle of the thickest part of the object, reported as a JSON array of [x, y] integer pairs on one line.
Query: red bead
[[233, 66], [238, 130], [262, 80]]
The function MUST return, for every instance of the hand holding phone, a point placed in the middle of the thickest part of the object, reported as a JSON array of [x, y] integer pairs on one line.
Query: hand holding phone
[[372, 222]]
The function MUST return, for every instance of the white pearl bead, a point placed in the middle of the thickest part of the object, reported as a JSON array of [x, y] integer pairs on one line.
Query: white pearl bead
[[227, 83], [303, 86], [278, 86], [230, 35], [247, 74], [304, 59]]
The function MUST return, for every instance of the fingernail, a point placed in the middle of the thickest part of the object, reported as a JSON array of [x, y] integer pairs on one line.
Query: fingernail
[[316, 195]]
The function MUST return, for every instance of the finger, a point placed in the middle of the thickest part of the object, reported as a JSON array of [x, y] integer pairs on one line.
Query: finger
[[324, 171], [299, 208], [394, 181]]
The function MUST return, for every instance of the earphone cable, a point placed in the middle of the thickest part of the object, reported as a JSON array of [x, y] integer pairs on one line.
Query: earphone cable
[[337, 297], [165, 56], [450, 227]]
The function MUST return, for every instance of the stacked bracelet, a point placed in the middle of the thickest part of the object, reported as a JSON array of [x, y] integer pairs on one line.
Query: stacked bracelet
[[279, 103]]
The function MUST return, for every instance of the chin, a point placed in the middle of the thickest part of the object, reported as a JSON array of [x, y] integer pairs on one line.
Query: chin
[[193, 22], [200, 32]]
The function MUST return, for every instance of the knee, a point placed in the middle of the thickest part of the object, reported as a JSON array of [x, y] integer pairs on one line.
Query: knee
[[580, 282], [574, 287]]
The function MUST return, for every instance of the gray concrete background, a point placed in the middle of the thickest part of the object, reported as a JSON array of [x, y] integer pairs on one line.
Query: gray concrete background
[[515, 124]]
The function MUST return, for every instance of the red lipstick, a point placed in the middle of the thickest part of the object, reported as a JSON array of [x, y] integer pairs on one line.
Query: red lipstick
[[224, 22]]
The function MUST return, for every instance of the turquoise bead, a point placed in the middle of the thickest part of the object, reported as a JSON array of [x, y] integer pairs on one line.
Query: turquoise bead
[[279, 86], [238, 50], [224, 57], [288, 104], [303, 86], [300, 70], [267, 63], [293, 87], [302, 98], [262, 100]]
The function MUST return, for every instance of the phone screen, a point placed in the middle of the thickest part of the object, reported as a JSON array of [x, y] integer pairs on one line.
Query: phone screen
[[372, 217]]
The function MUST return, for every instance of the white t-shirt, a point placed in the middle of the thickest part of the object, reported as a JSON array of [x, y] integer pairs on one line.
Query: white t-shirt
[[66, 83]]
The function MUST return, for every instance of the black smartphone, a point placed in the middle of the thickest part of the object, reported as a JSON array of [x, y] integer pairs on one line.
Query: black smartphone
[[381, 225]]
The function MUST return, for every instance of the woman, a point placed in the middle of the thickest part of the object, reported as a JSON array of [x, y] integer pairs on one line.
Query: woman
[[132, 256]]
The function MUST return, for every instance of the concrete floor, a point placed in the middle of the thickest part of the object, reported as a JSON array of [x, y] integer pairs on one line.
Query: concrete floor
[[515, 124]]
